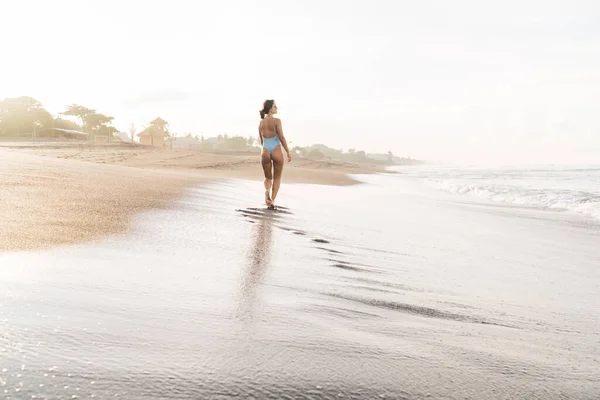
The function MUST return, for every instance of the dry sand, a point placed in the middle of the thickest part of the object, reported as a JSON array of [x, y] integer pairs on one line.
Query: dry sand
[[54, 193]]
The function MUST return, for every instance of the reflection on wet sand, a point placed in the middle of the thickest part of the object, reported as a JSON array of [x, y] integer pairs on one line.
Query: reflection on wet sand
[[259, 261]]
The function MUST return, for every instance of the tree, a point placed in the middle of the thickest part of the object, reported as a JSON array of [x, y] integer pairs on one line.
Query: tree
[[99, 123], [95, 120], [23, 104], [236, 143], [303, 151], [80, 112], [22, 115], [205, 145], [316, 154], [132, 131]]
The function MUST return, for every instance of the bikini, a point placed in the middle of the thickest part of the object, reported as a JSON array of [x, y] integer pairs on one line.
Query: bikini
[[271, 143]]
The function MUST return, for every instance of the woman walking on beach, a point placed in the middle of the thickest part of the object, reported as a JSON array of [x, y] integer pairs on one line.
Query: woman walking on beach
[[271, 137]]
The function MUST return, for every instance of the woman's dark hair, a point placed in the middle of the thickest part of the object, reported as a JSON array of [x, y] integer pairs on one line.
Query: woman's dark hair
[[267, 105]]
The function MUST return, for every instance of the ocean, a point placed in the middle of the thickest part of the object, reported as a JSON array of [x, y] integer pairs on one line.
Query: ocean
[[574, 188], [430, 283]]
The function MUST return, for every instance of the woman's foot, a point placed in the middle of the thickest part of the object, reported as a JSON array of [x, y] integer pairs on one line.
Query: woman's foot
[[268, 200]]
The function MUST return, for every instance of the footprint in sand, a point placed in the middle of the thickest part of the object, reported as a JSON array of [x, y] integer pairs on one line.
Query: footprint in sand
[[253, 214]]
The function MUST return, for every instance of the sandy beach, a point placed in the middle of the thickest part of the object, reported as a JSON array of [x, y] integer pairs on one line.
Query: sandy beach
[[141, 274], [56, 193], [429, 295], [435, 236]]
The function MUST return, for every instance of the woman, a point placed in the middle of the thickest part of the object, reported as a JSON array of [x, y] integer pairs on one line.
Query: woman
[[271, 137]]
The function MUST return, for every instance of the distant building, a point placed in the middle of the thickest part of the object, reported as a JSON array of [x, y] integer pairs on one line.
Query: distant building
[[62, 134], [155, 134]]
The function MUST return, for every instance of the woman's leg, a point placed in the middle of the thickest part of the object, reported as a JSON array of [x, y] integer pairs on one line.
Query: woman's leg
[[267, 165], [278, 161]]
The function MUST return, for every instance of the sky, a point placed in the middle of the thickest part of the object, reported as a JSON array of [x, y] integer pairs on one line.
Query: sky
[[444, 81]]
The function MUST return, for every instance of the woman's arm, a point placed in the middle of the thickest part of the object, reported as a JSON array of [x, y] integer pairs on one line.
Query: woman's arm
[[260, 138], [282, 138]]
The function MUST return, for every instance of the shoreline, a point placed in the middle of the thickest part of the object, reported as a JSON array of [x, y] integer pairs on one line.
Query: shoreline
[[54, 195]]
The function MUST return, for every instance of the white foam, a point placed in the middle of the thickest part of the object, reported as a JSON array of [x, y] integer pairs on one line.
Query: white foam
[[556, 199], [555, 187]]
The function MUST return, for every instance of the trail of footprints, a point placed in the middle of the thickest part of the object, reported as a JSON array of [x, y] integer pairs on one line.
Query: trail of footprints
[[335, 259], [275, 215]]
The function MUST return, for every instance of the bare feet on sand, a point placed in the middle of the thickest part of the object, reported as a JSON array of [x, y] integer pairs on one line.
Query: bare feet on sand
[[268, 201]]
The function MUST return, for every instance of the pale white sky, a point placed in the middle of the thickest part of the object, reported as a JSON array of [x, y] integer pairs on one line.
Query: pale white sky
[[507, 81]]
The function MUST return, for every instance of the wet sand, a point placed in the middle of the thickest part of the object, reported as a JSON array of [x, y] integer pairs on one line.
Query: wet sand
[[152, 275], [428, 296], [56, 193]]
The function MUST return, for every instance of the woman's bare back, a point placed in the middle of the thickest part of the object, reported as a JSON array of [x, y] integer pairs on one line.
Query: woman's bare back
[[268, 127]]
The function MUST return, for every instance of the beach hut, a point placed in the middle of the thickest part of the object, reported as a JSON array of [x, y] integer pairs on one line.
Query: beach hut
[[155, 134]]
